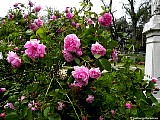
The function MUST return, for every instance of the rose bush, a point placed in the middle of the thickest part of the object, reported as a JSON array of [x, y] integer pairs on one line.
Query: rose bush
[[56, 67]]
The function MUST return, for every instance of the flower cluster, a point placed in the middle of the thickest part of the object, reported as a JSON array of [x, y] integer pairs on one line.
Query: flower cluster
[[2, 115], [61, 105], [95, 73], [154, 80], [89, 21], [53, 17], [13, 59], [71, 46], [115, 55], [98, 49], [90, 99], [128, 105], [21, 99], [36, 24], [9, 105], [69, 14], [10, 16], [77, 25], [33, 105], [37, 8], [34, 49], [30, 4], [2, 90], [105, 19], [82, 75]]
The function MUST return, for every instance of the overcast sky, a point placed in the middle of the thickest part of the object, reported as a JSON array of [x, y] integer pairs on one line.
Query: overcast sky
[[61, 4]]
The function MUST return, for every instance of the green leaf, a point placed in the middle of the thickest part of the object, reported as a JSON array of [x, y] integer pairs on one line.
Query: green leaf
[[143, 104], [77, 61], [149, 112], [29, 115], [105, 64], [86, 57], [97, 56], [13, 98], [33, 37], [70, 79], [24, 111], [151, 85], [134, 111], [46, 111], [55, 116], [112, 44], [25, 59], [153, 99], [122, 110], [103, 8], [56, 90], [12, 116], [29, 32], [64, 92], [40, 32]]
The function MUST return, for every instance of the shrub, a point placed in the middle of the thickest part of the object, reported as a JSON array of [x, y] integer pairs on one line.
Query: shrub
[[60, 70]]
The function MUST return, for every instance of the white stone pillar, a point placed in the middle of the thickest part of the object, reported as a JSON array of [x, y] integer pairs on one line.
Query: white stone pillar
[[152, 60]]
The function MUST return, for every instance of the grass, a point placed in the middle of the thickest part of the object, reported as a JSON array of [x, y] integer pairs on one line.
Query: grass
[[133, 65]]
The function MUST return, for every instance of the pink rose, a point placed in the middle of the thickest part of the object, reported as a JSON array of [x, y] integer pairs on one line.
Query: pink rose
[[3, 21], [90, 99], [81, 74], [115, 55], [13, 59], [34, 109], [98, 49], [15, 5], [38, 22], [100, 118], [21, 99], [73, 24], [16, 48], [2, 90], [105, 19], [29, 105], [128, 106], [10, 16], [37, 8], [89, 21], [154, 80], [69, 15], [33, 106], [79, 52], [113, 112], [52, 18], [60, 105], [75, 86], [60, 30], [71, 43], [33, 26], [2, 115], [78, 25], [66, 11], [25, 16], [84, 117], [95, 73], [68, 56], [30, 4], [34, 49], [10, 105]]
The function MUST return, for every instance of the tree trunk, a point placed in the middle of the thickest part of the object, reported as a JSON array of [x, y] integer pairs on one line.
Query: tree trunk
[[114, 25], [134, 22]]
